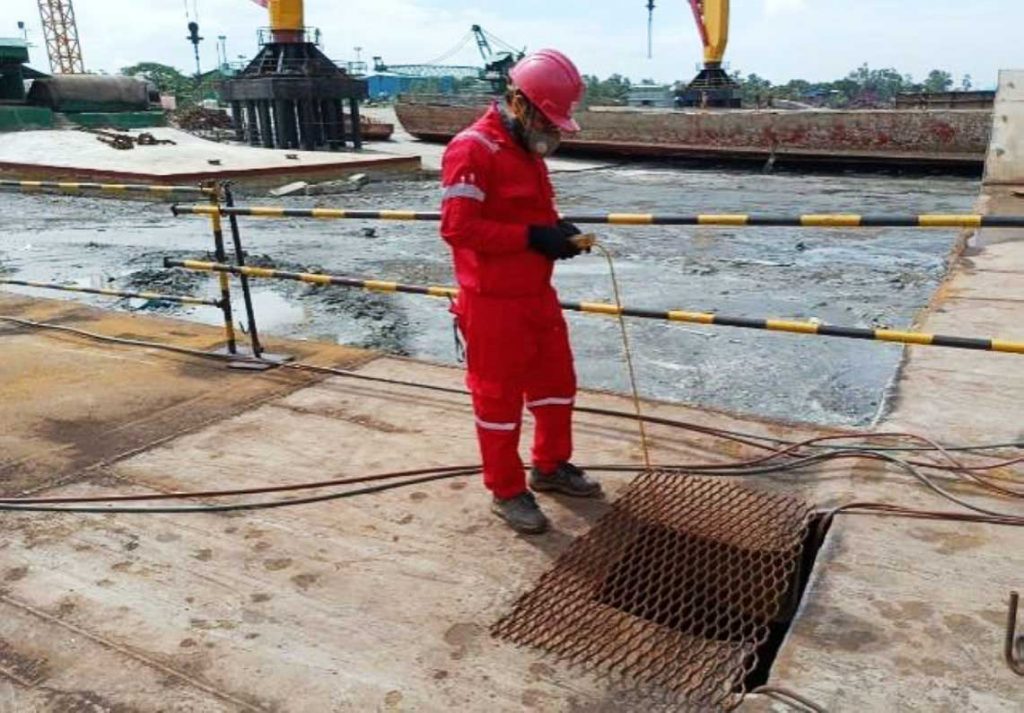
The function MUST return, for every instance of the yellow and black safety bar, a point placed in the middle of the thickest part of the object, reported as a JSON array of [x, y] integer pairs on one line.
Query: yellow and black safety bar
[[77, 187], [313, 278], [826, 220], [114, 293], [317, 213], [706, 318]]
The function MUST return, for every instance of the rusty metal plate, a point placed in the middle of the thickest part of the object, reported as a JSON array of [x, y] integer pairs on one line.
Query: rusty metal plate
[[673, 591]]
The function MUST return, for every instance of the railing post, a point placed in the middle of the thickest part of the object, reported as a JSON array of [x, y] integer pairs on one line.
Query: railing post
[[236, 238], [225, 286]]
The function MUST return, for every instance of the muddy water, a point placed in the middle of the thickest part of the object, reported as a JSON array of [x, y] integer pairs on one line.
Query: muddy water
[[878, 277]]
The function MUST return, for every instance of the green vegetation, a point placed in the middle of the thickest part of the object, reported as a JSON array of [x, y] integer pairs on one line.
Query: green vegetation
[[169, 80], [608, 92]]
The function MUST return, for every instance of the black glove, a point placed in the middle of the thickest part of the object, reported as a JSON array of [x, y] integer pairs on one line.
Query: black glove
[[552, 243], [568, 229]]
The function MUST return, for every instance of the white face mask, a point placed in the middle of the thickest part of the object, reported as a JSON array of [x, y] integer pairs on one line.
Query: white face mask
[[543, 143], [540, 142]]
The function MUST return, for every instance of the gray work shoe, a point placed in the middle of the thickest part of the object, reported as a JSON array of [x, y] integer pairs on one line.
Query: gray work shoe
[[521, 513], [566, 479]]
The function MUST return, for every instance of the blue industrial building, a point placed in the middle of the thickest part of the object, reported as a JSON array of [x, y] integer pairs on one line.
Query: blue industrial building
[[388, 85]]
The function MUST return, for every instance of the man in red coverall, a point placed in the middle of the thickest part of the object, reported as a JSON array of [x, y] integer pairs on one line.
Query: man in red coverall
[[499, 217]]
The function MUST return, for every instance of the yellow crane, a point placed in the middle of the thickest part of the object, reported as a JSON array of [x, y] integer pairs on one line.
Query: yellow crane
[[287, 20], [712, 18], [713, 87]]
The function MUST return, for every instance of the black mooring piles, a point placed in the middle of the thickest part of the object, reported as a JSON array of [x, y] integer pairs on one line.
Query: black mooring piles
[[291, 96]]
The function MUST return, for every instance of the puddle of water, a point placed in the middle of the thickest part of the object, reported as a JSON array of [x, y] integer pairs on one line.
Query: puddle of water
[[275, 311]]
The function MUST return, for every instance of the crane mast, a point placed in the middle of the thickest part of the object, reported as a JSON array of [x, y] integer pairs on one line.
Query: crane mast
[[288, 20], [61, 33]]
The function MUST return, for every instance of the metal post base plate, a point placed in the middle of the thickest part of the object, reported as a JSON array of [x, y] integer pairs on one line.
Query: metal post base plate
[[268, 360]]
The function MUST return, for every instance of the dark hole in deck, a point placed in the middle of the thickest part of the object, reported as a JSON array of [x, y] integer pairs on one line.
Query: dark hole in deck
[[696, 585], [769, 650], [665, 581]]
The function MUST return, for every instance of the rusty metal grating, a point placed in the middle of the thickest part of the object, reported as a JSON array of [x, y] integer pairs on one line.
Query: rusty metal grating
[[674, 590]]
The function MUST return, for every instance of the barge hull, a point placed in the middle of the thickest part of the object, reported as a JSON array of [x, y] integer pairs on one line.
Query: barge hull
[[954, 139]]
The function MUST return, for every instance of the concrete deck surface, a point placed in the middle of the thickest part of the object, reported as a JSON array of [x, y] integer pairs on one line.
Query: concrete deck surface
[[375, 603], [75, 154], [383, 602]]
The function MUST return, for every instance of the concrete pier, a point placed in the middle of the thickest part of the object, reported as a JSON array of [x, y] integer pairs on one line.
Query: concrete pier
[[383, 602]]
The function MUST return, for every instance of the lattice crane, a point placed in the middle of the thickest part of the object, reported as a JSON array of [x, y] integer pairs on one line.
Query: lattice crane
[[61, 33]]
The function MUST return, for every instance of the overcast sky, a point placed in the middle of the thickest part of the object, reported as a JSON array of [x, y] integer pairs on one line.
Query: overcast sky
[[778, 39]]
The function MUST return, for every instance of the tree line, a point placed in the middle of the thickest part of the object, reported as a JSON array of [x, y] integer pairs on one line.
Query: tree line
[[171, 81], [863, 86]]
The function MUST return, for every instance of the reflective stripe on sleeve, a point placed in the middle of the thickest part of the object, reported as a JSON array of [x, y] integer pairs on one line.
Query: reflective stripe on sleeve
[[464, 190]]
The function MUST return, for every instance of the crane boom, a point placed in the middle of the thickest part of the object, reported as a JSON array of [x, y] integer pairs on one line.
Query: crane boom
[[698, 16], [712, 18], [61, 33], [482, 43]]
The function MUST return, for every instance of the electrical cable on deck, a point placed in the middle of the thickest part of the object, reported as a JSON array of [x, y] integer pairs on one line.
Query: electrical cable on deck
[[720, 470]]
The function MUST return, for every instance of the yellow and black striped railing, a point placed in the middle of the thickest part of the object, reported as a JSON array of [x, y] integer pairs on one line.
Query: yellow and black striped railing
[[78, 187], [706, 318], [178, 299], [317, 213], [313, 278], [825, 220]]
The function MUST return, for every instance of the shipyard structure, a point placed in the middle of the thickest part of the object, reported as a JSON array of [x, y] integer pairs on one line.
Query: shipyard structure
[[291, 95]]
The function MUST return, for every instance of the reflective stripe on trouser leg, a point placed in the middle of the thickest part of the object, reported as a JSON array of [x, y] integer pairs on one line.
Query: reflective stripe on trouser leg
[[552, 439], [551, 391], [498, 424]]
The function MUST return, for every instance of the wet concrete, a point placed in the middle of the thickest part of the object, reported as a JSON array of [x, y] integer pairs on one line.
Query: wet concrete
[[858, 278]]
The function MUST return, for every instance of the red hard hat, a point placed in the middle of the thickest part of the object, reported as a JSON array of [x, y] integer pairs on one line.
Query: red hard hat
[[552, 83]]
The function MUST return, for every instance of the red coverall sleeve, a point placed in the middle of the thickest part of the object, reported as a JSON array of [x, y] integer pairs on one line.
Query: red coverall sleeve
[[466, 178]]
